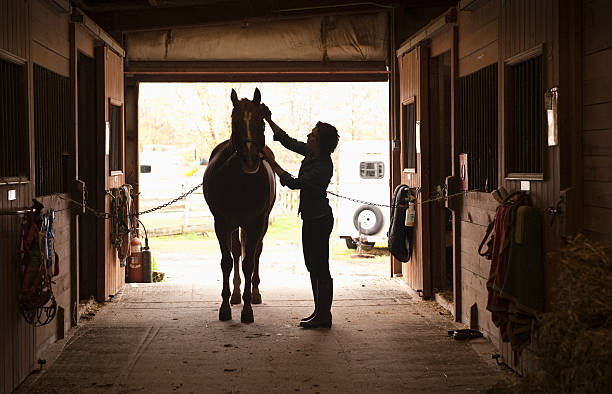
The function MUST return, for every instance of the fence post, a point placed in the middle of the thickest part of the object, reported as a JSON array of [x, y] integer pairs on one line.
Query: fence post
[[186, 214]]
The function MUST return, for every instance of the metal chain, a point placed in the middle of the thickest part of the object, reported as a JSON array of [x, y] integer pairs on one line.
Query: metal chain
[[102, 215], [170, 202], [105, 215], [438, 198]]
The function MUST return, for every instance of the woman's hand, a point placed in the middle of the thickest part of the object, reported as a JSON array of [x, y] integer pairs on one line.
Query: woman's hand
[[265, 112], [268, 155]]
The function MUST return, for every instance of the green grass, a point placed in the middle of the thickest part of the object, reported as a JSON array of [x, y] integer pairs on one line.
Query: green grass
[[286, 228], [192, 242]]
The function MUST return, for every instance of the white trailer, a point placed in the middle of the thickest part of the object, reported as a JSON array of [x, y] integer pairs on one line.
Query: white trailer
[[363, 174]]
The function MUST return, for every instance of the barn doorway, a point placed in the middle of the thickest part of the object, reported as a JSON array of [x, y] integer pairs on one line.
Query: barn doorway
[[179, 125]]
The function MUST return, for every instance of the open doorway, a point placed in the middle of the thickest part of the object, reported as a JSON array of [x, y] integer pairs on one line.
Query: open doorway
[[181, 123], [441, 167]]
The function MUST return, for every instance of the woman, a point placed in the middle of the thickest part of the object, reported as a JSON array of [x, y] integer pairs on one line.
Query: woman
[[313, 178]]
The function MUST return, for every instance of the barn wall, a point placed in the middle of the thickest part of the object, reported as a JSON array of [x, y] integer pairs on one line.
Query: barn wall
[[525, 25], [477, 47], [33, 32], [18, 339], [493, 32], [597, 117]]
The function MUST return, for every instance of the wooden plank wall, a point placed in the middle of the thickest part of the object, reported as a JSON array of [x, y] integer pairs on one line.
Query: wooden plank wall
[[525, 24], [477, 47], [31, 31], [51, 49], [18, 339], [597, 117], [412, 271], [36, 33]]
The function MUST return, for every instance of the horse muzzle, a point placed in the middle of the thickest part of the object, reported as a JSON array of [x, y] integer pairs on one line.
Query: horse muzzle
[[250, 159]]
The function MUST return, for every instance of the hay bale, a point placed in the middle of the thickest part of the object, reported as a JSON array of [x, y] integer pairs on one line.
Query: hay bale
[[573, 341]]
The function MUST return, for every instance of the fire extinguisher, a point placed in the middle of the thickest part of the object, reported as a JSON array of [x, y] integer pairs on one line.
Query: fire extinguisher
[[135, 261], [147, 268], [410, 215]]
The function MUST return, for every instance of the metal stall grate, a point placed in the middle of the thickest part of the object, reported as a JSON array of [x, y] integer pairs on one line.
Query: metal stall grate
[[478, 121], [50, 130], [14, 145], [526, 135]]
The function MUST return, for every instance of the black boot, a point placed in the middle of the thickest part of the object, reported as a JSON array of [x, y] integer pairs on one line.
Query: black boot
[[313, 283], [323, 316]]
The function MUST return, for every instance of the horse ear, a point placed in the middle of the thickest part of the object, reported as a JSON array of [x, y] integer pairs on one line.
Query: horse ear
[[257, 96], [234, 97]]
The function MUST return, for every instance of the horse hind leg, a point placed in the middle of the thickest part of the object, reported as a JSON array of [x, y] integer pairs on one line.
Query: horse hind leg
[[236, 253], [256, 295]]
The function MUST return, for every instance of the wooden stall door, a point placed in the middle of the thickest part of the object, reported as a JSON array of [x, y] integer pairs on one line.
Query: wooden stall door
[[414, 94], [440, 164], [87, 173]]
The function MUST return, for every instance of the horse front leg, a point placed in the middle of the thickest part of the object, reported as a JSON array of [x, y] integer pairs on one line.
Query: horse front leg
[[256, 295], [251, 242], [223, 235], [236, 253]]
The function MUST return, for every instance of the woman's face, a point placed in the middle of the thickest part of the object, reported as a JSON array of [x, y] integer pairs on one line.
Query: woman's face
[[313, 140]]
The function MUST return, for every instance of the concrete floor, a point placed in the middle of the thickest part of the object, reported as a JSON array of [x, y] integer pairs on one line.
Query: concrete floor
[[166, 337]]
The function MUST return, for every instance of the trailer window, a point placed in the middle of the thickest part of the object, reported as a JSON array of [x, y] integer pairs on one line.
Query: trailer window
[[371, 169]]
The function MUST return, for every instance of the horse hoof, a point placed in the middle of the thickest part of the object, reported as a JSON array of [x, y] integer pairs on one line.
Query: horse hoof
[[247, 316], [256, 298], [225, 314], [235, 299]]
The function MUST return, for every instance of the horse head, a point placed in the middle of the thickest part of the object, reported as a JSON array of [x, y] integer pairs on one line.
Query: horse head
[[248, 138]]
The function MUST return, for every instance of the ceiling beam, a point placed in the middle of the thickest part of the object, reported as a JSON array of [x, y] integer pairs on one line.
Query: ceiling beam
[[161, 18], [124, 19], [249, 67]]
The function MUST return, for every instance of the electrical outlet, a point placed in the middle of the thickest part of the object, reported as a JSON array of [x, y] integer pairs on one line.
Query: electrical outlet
[[525, 186], [12, 195]]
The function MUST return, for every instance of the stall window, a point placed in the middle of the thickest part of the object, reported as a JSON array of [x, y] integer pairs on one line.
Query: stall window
[[478, 127], [51, 100], [525, 120], [410, 135], [14, 144], [116, 137]]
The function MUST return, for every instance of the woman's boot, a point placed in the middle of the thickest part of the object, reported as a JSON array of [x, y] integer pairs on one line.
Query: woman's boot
[[313, 283], [323, 316]]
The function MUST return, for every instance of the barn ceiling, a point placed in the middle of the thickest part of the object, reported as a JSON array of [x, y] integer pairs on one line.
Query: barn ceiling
[[120, 16]]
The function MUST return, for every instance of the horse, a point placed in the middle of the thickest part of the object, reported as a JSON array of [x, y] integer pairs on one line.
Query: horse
[[240, 189]]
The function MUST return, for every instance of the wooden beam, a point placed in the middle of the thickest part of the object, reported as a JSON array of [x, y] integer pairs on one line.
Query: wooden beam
[[79, 17], [254, 77], [160, 18], [254, 67], [449, 17]]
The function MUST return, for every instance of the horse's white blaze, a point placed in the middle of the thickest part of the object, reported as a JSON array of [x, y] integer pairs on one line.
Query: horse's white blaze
[[247, 122]]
